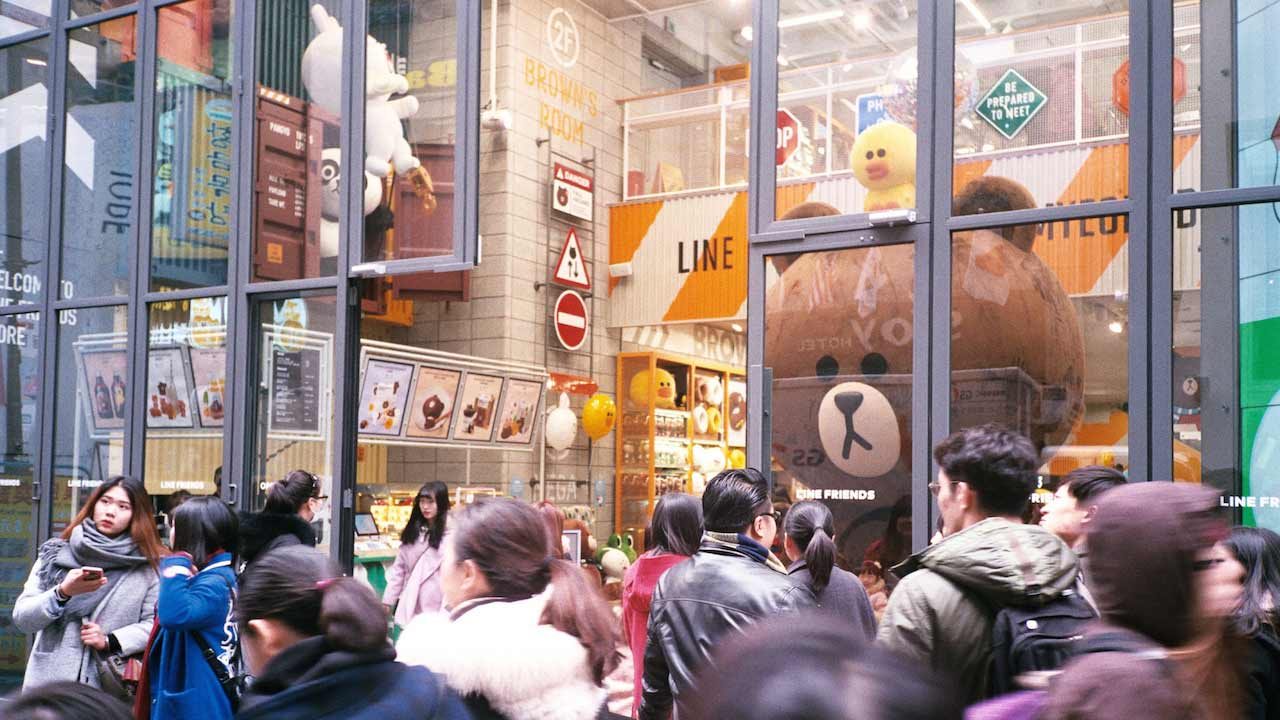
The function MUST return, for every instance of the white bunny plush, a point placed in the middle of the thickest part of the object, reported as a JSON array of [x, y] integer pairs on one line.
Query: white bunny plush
[[384, 142]]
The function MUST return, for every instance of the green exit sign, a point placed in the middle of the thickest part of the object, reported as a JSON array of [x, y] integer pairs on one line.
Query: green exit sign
[[1011, 104]]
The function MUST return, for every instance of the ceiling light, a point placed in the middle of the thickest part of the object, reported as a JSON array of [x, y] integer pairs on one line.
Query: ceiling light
[[736, 327], [1116, 327], [977, 15], [39, 63], [810, 19], [862, 20], [782, 60], [745, 33]]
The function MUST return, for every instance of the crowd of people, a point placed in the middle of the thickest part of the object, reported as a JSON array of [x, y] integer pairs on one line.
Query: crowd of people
[[1124, 600]]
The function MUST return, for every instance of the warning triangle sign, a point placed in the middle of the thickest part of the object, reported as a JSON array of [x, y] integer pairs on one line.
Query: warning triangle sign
[[571, 268]]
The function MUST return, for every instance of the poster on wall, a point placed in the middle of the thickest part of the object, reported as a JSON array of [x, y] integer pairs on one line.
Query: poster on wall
[[294, 391], [478, 408], [104, 389], [168, 391], [736, 413], [519, 411], [209, 372], [384, 395], [433, 403]]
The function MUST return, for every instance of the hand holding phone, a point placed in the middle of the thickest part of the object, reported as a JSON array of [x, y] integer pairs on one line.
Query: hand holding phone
[[91, 573], [82, 580]]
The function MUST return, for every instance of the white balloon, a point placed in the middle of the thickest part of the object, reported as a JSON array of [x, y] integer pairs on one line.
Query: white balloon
[[562, 425]]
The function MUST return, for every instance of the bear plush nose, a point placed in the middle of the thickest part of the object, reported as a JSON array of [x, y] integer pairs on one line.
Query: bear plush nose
[[848, 403]]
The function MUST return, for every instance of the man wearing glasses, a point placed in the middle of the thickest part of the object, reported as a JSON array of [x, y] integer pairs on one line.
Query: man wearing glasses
[[730, 583], [942, 612]]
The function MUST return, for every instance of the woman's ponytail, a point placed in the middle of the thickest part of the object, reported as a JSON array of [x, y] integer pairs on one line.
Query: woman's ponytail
[[351, 616], [810, 526]]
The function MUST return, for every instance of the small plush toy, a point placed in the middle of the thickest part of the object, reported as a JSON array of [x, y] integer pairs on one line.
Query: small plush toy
[[614, 564], [884, 162], [710, 390], [664, 394], [620, 543]]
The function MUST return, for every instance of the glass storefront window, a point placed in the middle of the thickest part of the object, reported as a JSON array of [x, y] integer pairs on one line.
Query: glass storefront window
[[84, 8], [297, 161], [1225, 102], [18, 18], [24, 209], [1040, 335], [838, 338], [89, 413], [1042, 98], [1226, 321], [847, 108], [99, 192], [410, 129], [293, 424], [19, 438], [194, 173], [185, 396]]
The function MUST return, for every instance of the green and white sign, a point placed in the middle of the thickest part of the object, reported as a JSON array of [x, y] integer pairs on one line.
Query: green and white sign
[[1011, 104]]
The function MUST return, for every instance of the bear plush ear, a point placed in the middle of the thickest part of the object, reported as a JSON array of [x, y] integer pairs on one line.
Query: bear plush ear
[[989, 194]]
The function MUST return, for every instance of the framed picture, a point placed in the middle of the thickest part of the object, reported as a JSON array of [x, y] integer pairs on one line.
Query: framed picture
[[572, 541], [209, 373], [168, 394], [384, 397], [105, 388], [478, 408], [519, 414], [434, 396]]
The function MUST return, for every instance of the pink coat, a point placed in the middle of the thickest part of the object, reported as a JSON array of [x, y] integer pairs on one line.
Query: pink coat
[[414, 581], [637, 593]]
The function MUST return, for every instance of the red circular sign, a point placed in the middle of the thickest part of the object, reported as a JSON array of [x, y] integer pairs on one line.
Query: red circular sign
[[788, 136], [571, 320]]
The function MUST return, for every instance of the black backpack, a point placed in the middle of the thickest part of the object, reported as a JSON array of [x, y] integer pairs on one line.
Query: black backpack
[[1036, 639]]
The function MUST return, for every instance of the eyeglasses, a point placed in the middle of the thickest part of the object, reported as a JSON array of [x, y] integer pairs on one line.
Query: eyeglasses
[[935, 487], [1207, 564], [776, 515]]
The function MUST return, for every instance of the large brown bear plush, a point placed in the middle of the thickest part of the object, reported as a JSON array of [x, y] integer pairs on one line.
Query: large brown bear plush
[[839, 338]]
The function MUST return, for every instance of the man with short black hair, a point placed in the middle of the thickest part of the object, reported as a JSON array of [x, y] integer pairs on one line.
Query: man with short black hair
[[1076, 500], [942, 612], [730, 583]]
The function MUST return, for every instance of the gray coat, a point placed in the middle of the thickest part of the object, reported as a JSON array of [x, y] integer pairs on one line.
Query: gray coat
[[126, 611]]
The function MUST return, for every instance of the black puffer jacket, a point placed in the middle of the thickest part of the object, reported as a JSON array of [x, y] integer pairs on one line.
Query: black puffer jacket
[[260, 533], [720, 589]]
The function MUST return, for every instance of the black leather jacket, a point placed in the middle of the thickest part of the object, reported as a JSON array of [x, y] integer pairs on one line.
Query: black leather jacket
[[719, 590]]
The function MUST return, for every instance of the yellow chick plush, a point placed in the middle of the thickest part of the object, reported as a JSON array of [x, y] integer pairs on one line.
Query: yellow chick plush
[[884, 162]]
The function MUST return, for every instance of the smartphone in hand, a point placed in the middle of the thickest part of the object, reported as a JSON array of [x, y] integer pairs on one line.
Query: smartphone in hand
[[91, 573]]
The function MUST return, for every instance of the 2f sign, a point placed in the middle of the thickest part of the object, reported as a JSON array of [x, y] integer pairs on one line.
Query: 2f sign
[[562, 36]]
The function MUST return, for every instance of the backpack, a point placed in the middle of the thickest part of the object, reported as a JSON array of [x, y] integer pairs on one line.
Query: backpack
[[1036, 639]]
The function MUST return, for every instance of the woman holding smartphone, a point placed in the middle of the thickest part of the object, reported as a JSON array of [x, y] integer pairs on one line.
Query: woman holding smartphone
[[92, 591]]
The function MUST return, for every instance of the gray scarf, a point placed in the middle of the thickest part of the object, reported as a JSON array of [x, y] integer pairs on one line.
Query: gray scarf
[[87, 548]]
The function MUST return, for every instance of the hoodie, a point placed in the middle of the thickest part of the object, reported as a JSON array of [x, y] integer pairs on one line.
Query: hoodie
[[941, 613], [637, 595], [263, 532], [1143, 540]]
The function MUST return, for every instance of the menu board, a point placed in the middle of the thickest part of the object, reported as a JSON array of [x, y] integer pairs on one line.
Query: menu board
[[295, 390], [433, 402], [519, 411], [384, 395], [168, 391], [478, 409], [104, 389], [209, 371]]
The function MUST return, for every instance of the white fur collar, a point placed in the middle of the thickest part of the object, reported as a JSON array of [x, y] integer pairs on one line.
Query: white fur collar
[[525, 670]]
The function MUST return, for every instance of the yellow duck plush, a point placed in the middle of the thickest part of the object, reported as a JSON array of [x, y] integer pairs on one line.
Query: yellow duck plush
[[884, 162]]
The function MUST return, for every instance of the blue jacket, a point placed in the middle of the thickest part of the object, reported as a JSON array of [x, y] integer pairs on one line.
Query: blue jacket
[[182, 683], [313, 681]]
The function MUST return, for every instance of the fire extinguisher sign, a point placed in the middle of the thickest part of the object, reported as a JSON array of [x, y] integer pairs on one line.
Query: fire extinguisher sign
[[571, 192]]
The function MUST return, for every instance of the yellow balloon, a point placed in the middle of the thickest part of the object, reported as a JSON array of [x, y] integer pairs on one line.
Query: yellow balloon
[[598, 416], [737, 458]]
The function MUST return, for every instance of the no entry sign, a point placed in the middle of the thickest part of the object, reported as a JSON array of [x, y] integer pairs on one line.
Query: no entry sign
[[571, 320]]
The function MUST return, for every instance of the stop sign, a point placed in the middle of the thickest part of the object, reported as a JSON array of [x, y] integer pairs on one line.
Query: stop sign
[[788, 136]]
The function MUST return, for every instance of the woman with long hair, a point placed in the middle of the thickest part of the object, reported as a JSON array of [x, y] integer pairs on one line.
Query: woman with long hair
[[1258, 617], [291, 506], [414, 581], [675, 531], [92, 591], [193, 654], [526, 637], [808, 529], [316, 644]]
